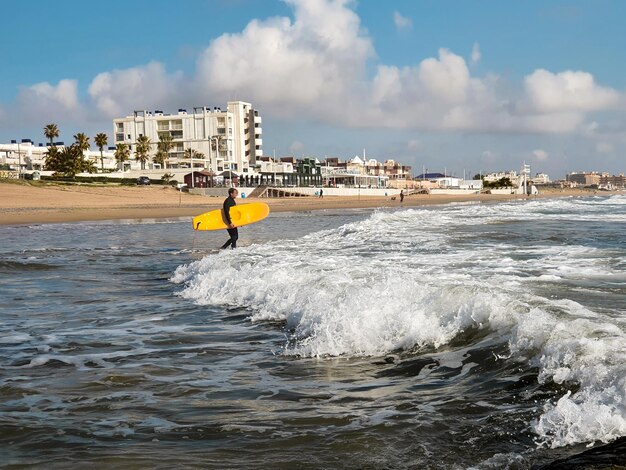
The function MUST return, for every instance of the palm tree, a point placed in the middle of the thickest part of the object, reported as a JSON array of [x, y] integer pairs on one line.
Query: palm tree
[[51, 131], [193, 153], [163, 147], [68, 161], [101, 141], [82, 141], [122, 153], [142, 150]]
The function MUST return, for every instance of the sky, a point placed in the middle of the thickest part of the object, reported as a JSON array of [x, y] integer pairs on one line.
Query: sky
[[455, 86]]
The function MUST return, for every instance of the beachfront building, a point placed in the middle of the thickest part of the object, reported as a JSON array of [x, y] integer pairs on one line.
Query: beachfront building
[[21, 156], [25, 157], [365, 173], [499, 175], [582, 178], [611, 182], [203, 138], [540, 178], [352, 173], [438, 183]]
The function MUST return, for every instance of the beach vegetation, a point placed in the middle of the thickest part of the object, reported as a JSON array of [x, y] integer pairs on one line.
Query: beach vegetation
[[81, 141], [167, 177], [501, 183], [122, 153], [143, 149], [193, 153], [164, 146], [101, 141], [67, 161], [51, 132]]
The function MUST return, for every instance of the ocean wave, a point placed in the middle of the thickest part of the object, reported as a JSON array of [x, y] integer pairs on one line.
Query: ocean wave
[[415, 280]]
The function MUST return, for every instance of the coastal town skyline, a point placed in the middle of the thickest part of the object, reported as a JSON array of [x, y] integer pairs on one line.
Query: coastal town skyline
[[338, 77]]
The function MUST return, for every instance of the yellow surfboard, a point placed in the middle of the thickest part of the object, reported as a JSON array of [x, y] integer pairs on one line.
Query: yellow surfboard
[[242, 214]]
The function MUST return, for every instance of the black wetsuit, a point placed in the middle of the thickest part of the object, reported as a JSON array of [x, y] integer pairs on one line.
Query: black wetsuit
[[233, 232]]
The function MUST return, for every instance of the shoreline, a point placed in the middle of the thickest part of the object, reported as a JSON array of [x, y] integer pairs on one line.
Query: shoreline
[[24, 203]]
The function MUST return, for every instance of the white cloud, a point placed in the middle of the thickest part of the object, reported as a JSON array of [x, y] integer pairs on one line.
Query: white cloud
[[64, 94], [119, 92], [314, 67], [540, 155], [567, 91], [289, 66], [476, 55], [401, 22], [44, 102]]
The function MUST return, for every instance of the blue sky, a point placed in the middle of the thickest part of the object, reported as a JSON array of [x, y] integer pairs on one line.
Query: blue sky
[[446, 85]]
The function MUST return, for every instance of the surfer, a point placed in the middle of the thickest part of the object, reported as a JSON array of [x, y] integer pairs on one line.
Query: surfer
[[401, 196], [232, 230]]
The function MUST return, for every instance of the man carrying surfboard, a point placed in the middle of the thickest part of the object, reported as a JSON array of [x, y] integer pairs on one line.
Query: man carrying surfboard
[[232, 230]]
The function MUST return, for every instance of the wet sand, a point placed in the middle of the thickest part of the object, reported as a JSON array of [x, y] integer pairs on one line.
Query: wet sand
[[28, 203]]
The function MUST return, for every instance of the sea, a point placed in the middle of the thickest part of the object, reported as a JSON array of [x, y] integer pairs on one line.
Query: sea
[[459, 336]]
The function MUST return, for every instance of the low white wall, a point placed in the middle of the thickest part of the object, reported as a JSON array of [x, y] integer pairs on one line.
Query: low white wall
[[454, 191], [223, 191], [345, 191], [507, 191]]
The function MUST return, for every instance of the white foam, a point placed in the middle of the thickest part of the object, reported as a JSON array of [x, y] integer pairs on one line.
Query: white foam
[[406, 280]]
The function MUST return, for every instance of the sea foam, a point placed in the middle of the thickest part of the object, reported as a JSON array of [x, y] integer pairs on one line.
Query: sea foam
[[415, 280]]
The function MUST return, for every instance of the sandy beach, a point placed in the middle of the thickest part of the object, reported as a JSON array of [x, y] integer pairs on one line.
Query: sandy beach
[[27, 203]]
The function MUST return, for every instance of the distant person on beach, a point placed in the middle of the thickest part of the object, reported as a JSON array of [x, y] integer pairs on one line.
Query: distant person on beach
[[321, 193], [401, 196], [232, 230]]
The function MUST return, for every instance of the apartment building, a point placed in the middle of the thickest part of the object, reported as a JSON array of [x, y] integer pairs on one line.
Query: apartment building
[[203, 138], [612, 181], [583, 178]]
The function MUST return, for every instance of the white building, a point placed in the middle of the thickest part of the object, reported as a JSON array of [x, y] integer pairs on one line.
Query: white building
[[511, 175], [227, 140], [21, 156], [540, 178], [26, 156]]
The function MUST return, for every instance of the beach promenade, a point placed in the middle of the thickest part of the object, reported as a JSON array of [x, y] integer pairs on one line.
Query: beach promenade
[[25, 203]]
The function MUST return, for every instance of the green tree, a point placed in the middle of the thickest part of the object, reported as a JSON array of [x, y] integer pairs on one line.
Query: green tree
[[143, 149], [504, 182], [101, 141], [81, 141], [164, 146], [167, 177], [51, 131], [122, 153], [68, 161], [193, 153]]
